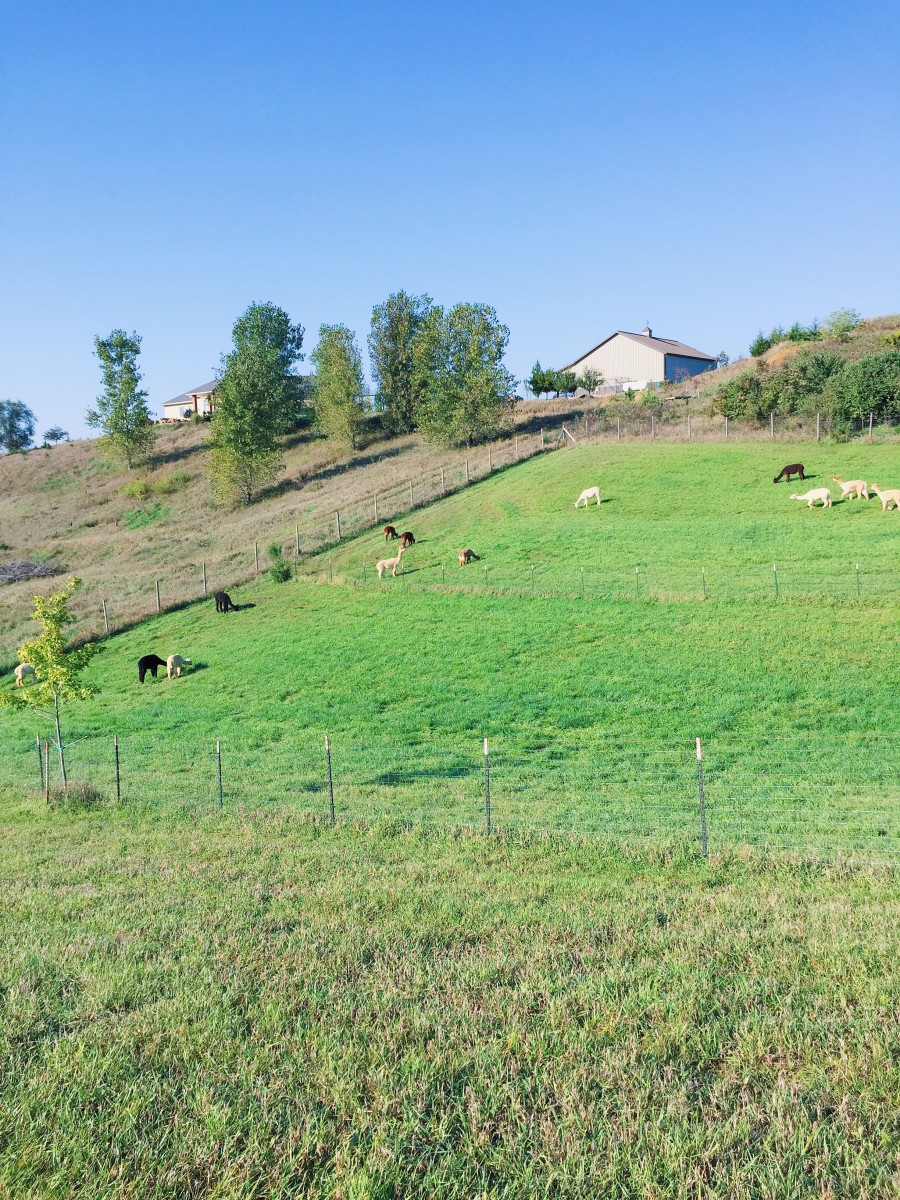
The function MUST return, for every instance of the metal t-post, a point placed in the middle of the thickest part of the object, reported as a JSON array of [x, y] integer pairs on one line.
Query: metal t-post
[[487, 787], [704, 843]]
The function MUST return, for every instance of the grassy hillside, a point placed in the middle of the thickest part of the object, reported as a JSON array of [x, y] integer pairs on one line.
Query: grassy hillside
[[591, 705], [249, 1006]]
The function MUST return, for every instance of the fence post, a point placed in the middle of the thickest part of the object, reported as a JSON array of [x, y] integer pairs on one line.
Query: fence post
[[618, 429], [204, 579], [652, 427], [703, 580], [37, 742], [490, 460], [467, 470], [331, 570], [47, 770], [330, 781], [337, 517], [703, 838], [857, 581], [775, 574], [772, 422], [118, 776], [105, 617], [818, 426], [443, 487], [219, 768], [726, 429], [487, 787], [297, 539], [870, 425], [158, 603], [517, 449], [256, 555], [542, 437], [689, 424]]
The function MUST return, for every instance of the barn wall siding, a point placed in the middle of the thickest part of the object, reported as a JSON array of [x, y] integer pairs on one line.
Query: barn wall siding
[[678, 367], [621, 358]]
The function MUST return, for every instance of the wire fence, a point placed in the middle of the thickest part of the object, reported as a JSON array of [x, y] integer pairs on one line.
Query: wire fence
[[817, 796]]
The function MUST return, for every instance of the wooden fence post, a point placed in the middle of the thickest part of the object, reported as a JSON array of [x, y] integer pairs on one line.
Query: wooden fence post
[[704, 844], [158, 602], [375, 502], [443, 488], [818, 426], [411, 504], [204, 579], [297, 539], [337, 517], [256, 555], [467, 470], [105, 617]]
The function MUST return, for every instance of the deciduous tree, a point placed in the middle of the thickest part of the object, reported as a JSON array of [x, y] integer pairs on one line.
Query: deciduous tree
[[122, 411], [17, 423], [57, 670], [395, 325], [338, 399], [468, 391]]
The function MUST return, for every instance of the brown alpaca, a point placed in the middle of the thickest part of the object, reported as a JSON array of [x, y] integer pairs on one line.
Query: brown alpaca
[[389, 533], [788, 471], [407, 539], [467, 556]]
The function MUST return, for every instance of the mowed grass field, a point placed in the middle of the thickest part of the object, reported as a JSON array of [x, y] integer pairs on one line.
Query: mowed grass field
[[246, 1005], [591, 706]]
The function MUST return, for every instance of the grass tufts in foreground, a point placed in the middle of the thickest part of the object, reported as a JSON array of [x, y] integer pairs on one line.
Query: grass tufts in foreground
[[254, 1006]]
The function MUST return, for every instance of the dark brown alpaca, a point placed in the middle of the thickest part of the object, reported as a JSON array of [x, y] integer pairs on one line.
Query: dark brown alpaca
[[151, 663], [390, 533], [407, 539], [224, 603], [788, 471]]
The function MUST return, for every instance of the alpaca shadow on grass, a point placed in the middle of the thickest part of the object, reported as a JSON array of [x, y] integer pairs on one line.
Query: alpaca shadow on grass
[[406, 775]]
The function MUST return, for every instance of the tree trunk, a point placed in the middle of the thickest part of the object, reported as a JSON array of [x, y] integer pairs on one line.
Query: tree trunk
[[59, 745]]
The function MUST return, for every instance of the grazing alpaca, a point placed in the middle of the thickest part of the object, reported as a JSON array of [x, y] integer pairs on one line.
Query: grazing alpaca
[[174, 663], [22, 671], [822, 494], [389, 564], [788, 471], [886, 497], [855, 488], [151, 663], [390, 533], [467, 556], [587, 495], [224, 603], [407, 539]]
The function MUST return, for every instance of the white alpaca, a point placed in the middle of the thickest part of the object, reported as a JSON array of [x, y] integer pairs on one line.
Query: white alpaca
[[22, 671], [854, 488], [587, 495], [174, 663], [887, 497], [389, 564], [822, 494]]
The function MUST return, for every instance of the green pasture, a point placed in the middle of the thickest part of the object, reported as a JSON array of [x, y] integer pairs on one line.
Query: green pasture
[[669, 513], [591, 706], [247, 1005]]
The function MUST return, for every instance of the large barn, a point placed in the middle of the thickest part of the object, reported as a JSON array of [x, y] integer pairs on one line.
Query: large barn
[[637, 359]]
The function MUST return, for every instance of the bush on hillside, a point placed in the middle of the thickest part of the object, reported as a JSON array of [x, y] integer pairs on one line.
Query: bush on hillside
[[281, 570], [869, 385]]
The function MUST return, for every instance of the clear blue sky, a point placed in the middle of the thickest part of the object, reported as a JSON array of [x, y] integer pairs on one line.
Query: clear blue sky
[[709, 168]]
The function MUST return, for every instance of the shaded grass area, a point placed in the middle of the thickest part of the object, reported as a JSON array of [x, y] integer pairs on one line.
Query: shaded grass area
[[252, 1006]]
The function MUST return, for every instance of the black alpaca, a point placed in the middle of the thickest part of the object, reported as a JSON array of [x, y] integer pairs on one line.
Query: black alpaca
[[224, 603], [151, 663]]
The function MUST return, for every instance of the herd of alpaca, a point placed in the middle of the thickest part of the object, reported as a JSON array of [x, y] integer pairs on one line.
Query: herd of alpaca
[[851, 489]]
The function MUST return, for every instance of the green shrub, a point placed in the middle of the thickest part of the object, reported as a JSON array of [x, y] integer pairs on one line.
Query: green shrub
[[281, 570], [869, 385], [137, 518], [169, 484], [136, 489]]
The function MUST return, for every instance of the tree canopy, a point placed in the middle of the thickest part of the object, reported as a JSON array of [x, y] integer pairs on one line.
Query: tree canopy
[[338, 399], [395, 325], [17, 423], [122, 411]]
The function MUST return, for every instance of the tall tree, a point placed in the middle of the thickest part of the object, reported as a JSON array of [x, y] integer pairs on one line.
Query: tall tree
[[468, 391], [122, 411], [256, 401], [57, 671], [17, 423], [395, 325], [540, 380], [338, 399]]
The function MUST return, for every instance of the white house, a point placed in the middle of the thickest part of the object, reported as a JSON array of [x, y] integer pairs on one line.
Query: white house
[[636, 359], [199, 400]]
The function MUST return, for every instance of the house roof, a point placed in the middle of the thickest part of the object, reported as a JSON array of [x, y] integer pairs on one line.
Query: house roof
[[187, 397], [663, 345]]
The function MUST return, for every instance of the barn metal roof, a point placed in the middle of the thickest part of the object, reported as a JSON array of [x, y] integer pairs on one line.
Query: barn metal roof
[[663, 345]]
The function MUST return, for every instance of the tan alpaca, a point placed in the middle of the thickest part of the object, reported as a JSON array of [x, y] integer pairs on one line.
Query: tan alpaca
[[389, 564], [886, 497], [587, 495], [174, 663], [22, 672], [855, 489], [467, 556], [811, 497]]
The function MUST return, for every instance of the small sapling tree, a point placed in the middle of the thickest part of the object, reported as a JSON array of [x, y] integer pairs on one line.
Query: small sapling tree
[[280, 571], [57, 671], [55, 434], [122, 411], [590, 380]]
